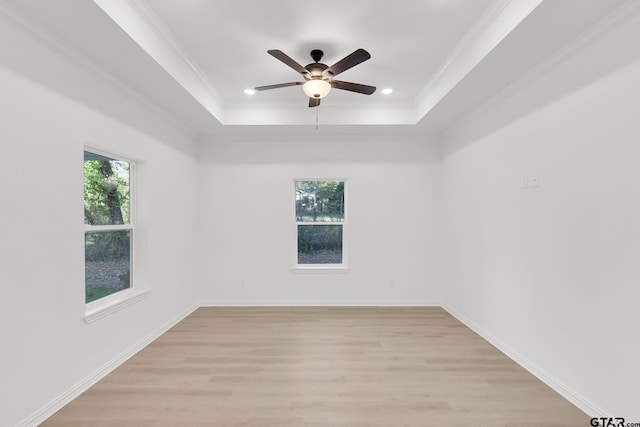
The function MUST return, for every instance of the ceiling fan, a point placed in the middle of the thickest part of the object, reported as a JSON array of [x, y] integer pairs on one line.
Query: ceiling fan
[[318, 77]]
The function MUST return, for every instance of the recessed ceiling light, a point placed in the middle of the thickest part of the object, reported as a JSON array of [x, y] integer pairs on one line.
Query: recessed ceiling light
[[249, 91], [386, 91]]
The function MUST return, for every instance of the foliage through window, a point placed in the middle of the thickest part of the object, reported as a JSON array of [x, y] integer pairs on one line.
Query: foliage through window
[[320, 222], [108, 225]]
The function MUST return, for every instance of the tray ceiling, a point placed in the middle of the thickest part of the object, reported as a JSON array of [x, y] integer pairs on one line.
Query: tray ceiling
[[194, 58]]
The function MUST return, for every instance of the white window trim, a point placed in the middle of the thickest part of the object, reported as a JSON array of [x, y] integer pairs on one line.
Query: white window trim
[[115, 302], [104, 306], [321, 268]]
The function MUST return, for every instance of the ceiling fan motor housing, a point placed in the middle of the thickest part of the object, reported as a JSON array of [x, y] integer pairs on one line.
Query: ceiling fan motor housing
[[316, 69], [317, 54]]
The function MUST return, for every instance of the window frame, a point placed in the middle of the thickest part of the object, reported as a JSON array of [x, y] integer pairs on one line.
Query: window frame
[[320, 268], [101, 307]]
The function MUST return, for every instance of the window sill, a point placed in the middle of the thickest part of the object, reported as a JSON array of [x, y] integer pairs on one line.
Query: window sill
[[320, 270], [101, 308]]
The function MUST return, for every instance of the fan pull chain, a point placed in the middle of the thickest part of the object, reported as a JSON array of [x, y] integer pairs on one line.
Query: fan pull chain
[[317, 108]]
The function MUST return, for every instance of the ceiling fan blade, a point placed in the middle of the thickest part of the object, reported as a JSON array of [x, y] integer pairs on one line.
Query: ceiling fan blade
[[353, 87], [279, 85], [347, 62], [314, 102], [283, 57]]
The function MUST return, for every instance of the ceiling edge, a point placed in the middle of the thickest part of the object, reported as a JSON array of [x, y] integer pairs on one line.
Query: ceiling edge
[[499, 19], [16, 18], [626, 11], [137, 19]]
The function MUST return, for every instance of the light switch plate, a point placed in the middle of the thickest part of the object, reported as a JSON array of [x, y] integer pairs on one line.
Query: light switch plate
[[534, 180]]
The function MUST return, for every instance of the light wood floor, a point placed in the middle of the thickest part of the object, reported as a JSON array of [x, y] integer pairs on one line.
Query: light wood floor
[[312, 367]]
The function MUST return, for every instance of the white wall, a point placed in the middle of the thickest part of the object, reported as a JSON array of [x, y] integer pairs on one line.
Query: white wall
[[552, 273], [247, 219], [47, 349]]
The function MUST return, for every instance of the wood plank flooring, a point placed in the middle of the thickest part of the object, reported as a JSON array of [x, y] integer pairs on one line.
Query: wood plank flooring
[[313, 367]]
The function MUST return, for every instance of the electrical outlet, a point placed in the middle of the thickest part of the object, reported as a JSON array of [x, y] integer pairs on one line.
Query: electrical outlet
[[392, 284]]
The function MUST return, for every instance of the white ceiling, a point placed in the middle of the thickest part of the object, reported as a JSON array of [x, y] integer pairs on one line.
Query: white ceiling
[[229, 40], [194, 58]]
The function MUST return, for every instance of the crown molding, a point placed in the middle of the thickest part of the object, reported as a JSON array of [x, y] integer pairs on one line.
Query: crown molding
[[627, 11], [11, 15], [157, 25], [495, 24], [137, 19], [467, 41]]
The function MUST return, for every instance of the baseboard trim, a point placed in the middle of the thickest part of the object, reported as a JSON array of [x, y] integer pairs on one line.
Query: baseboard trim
[[75, 391], [568, 393], [575, 398], [328, 303]]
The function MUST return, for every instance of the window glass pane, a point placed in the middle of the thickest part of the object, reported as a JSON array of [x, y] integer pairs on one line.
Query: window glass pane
[[107, 257], [319, 244], [319, 201], [106, 190]]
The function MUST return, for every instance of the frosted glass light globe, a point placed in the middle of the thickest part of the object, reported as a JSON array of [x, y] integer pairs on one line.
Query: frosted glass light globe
[[316, 88]]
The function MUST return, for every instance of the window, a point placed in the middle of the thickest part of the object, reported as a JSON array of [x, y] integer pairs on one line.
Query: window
[[320, 223], [108, 236]]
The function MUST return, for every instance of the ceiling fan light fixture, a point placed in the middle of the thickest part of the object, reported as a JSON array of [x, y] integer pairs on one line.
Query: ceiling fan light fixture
[[316, 88], [319, 77]]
